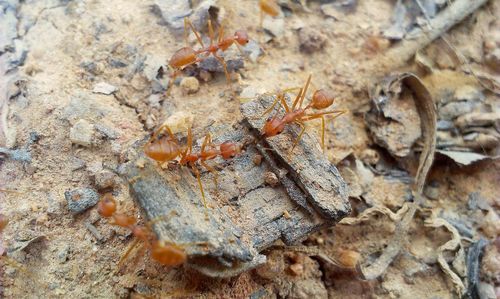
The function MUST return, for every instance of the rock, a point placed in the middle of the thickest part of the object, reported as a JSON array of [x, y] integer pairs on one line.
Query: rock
[[486, 291], [54, 206], [274, 266], [106, 131], [468, 93], [274, 26], [311, 40], [308, 288], [369, 156], [62, 256], [452, 110], [211, 64], [249, 92], [431, 192], [18, 57], [252, 50], [179, 122], [82, 133], [173, 12], [81, 199], [104, 88], [105, 179], [190, 85], [271, 179]]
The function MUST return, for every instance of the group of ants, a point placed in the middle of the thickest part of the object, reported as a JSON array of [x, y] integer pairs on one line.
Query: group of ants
[[164, 147]]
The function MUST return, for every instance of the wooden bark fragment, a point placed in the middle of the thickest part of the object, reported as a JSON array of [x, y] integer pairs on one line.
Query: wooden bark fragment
[[245, 215]]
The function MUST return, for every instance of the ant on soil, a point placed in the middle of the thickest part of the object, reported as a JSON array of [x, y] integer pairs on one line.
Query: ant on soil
[[187, 55], [168, 254], [167, 148], [321, 99]]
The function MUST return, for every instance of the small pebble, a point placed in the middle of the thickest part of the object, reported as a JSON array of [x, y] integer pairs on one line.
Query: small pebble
[[82, 133], [190, 85], [311, 40], [369, 156], [105, 179], [271, 179], [431, 192], [104, 88], [81, 199]]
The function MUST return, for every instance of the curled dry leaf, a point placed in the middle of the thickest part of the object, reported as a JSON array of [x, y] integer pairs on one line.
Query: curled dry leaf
[[428, 119]]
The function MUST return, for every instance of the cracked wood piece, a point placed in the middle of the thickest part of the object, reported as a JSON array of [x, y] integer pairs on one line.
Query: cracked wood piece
[[245, 216], [307, 166]]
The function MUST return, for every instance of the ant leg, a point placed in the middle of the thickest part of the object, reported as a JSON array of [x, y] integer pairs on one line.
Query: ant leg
[[224, 65], [297, 98], [322, 116], [212, 170], [211, 32], [198, 37], [197, 173], [127, 253], [299, 136], [272, 106], [304, 91], [221, 31]]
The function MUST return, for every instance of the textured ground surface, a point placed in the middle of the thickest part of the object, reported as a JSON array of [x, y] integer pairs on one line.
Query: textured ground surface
[[72, 46]]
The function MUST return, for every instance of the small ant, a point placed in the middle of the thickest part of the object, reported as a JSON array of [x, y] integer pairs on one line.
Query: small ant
[[3, 222], [321, 99], [167, 149], [187, 55], [168, 254], [269, 7]]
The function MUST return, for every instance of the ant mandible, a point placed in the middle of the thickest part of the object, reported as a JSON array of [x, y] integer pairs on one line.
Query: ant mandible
[[187, 55], [168, 254], [321, 99], [167, 149]]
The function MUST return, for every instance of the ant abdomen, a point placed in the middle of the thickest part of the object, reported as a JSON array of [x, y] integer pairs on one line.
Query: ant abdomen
[[162, 150], [269, 7], [321, 99], [106, 206], [229, 150], [168, 254], [183, 56]]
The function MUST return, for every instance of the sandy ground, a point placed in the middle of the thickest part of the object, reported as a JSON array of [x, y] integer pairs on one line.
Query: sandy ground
[[74, 45]]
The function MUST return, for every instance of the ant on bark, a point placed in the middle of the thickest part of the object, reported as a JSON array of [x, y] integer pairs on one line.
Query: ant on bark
[[167, 148], [321, 99], [168, 254], [187, 55]]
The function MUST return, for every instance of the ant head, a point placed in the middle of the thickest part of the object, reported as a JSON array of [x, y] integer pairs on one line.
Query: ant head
[[3, 222], [241, 37], [321, 99], [106, 206], [229, 150]]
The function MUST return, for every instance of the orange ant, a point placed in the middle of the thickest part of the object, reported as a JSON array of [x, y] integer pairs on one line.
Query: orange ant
[[269, 7], [168, 254], [321, 99], [187, 55], [167, 149]]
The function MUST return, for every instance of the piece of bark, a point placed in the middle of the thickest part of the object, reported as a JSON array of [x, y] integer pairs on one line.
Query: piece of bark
[[245, 215]]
